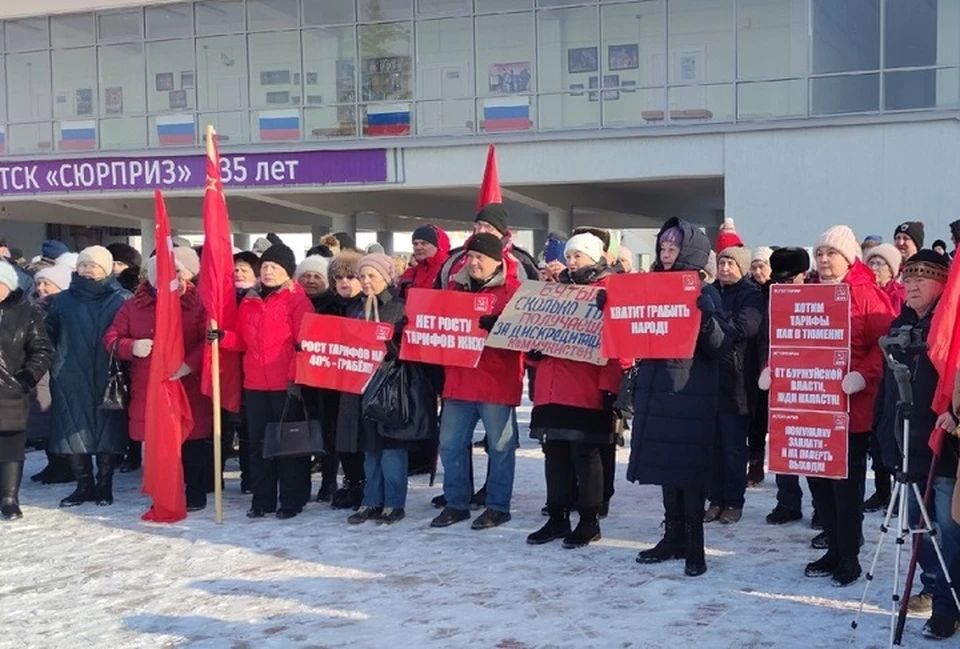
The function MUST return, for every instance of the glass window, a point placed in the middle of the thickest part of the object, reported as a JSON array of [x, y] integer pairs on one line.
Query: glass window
[[121, 26], [845, 94], [772, 99], [697, 104], [910, 90], [505, 62], [275, 74], [569, 50], [272, 14], [330, 121], [27, 34], [377, 10], [232, 126], [489, 6], [701, 40], [632, 55], [71, 30], [910, 35], [28, 95], [329, 76], [169, 21], [222, 72], [772, 39], [30, 138], [222, 17], [948, 32], [276, 125], [386, 73], [3, 95], [444, 73], [75, 83], [560, 3], [121, 79], [171, 76], [123, 133], [443, 7], [846, 37], [328, 12], [634, 106], [173, 130]]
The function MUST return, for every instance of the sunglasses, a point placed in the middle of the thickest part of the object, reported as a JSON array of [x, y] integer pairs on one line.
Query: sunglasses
[[346, 277]]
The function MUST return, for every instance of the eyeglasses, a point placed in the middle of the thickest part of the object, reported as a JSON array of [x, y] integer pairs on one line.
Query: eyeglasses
[[346, 277]]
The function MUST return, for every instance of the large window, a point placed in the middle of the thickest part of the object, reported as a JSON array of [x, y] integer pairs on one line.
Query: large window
[[772, 58], [330, 82], [568, 57], [445, 76]]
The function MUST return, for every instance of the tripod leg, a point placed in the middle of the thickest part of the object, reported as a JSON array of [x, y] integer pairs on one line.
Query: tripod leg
[[912, 568], [935, 539], [884, 529]]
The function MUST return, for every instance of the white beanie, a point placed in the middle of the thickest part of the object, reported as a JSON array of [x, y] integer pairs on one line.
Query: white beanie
[[762, 253], [152, 268], [59, 275], [586, 243], [8, 276], [313, 264], [187, 261], [842, 239], [68, 259], [889, 253], [98, 255]]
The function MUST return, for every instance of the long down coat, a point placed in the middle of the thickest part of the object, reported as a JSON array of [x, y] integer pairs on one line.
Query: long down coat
[[25, 355]]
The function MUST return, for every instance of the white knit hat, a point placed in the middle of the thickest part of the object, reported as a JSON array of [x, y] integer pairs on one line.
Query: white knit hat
[[842, 239], [59, 275], [313, 264], [586, 243], [69, 259], [187, 261], [99, 256], [889, 253], [8, 276], [762, 253], [152, 268]]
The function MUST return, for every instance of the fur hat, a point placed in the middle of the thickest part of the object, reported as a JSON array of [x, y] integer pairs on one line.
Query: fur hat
[[787, 263], [728, 236], [496, 215], [889, 253], [8, 276], [59, 275], [740, 255], [380, 263], [762, 253], [913, 229], [929, 264], [125, 254], [280, 255], [842, 239], [486, 244], [313, 264], [99, 256], [344, 264], [586, 243], [189, 261]]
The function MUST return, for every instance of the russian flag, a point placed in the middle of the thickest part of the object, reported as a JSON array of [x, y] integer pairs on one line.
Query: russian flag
[[3, 139], [78, 135], [174, 130], [506, 114], [388, 119], [276, 125]]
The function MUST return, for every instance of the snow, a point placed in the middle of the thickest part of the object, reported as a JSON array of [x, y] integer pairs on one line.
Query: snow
[[92, 576]]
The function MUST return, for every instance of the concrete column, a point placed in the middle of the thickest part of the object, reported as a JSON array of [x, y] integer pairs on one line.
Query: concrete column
[[317, 232], [147, 239], [242, 241], [560, 220], [385, 239], [539, 241], [344, 223]]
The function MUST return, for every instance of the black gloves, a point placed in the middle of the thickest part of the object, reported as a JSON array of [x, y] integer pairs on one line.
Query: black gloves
[[487, 322], [297, 346], [398, 328], [213, 335], [706, 305], [601, 299], [534, 355]]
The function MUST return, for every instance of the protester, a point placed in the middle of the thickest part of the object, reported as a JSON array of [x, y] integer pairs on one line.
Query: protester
[[312, 275], [431, 248], [908, 238], [50, 251], [246, 270], [840, 501], [925, 275], [76, 323], [131, 334], [25, 356], [871, 241], [884, 260], [760, 265], [268, 323], [126, 265], [625, 259], [676, 409], [492, 219], [760, 272], [727, 237], [940, 247], [743, 304], [488, 393], [4, 248], [574, 419], [189, 263]]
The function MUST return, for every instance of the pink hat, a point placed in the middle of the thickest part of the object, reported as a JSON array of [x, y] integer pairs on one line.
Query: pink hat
[[842, 239], [728, 236]]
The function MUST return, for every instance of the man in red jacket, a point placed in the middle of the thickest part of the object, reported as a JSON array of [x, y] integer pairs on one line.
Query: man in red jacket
[[489, 393], [431, 247]]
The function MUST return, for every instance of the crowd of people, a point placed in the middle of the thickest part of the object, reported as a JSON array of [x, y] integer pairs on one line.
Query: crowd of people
[[697, 426]]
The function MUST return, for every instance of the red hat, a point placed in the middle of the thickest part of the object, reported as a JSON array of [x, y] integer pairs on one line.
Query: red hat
[[728, 236]]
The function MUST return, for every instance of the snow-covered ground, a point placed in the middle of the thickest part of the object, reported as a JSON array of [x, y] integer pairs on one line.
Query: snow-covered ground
[[99, 577]]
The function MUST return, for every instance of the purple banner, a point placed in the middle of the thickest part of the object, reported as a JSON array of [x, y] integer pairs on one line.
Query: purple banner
[[188, 172]]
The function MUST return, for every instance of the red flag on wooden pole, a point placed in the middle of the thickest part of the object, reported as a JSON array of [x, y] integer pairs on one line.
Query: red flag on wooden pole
[[490, 187]]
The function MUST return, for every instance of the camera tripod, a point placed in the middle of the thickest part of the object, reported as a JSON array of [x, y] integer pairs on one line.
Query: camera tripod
[[906, 487]]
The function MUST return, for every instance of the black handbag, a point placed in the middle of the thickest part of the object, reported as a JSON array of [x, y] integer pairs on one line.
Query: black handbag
[[624, 401], [293, 438], [117, 394], [386, 400]]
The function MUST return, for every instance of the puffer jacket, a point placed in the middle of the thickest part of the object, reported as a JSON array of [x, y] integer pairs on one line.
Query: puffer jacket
[[897, 294], [524, 263], [498, 377], [76, 323], [739, 367], [424, 273], [39, 419], [25, 356], [136, 320], [266, 334]]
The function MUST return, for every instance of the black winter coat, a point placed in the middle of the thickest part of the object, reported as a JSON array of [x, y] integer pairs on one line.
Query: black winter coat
[[25, 356], [676, 400], [739, 367], [922, 418], [39, 421]]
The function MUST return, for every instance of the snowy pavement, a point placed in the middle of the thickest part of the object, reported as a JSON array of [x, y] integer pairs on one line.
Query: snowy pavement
[[99, 577]]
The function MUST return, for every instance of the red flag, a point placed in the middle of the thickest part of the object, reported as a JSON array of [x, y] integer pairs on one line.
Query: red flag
[[944, 349], [216, 281], [490, 188], [168, 416]]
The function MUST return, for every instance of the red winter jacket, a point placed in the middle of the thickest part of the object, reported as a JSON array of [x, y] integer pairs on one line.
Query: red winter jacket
[[498, 377], [136, 320], [897, 293], [266, 333], [424, 273], [870, 318]]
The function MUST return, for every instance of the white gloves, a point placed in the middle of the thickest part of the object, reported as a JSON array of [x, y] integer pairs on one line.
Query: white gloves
[[764, 381], [182, 372], [142, 348], [853, 383]]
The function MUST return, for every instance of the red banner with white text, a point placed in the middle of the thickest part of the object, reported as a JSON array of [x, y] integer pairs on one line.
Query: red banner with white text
[[443, 327], [340, 353]]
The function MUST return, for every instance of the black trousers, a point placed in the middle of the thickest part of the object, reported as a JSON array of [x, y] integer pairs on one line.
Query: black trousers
[[840, 502], [352, 464], [564, 461], [608, 457], [291, 474], [683, 505], [197, 458], [757, 437]]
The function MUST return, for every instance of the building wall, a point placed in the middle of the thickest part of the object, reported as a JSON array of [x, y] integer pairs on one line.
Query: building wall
[[13, 9]]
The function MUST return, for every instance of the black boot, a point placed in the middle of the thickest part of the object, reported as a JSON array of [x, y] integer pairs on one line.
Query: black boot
[[556, 527], [350, 496], [696, 561], [671, 546], [57, 471], [106, 463], [133, 460], [82, 467], [587, 530], [11, 473]]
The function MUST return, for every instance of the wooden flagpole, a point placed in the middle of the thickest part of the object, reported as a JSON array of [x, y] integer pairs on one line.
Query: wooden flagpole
[[217, 428]]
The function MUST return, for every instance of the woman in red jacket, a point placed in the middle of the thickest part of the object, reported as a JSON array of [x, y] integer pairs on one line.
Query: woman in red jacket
[[839, 502], [573, 417], [268, 324], [132, 332]]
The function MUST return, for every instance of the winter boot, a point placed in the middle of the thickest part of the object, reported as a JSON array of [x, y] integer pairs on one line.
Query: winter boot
[[11, 473], [350, 496], [671, 546], [82, 467], [587, 530], [326, 491], [755, 472], [57, 471], [556, 527], [696, 561], [106, 463], [133, 460]]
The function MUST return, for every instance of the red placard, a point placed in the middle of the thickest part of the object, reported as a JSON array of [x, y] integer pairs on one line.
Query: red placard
[[808, 379], [340, 353], [651, 315], [443, 327], [810, 315], [809, 443]]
